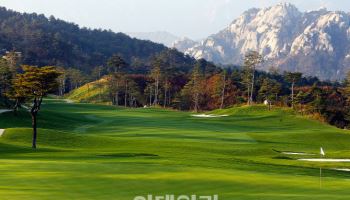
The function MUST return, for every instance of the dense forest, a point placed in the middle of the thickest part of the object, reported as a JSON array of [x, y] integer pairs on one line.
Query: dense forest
[[49, 41]]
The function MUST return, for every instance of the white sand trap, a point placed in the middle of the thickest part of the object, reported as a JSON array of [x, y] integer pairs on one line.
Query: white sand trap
[[294, 153], [343, 170], [2, 132], [209, 116], [25, 107], [297, 153], [325, 160], [68, 101], [4, 110]]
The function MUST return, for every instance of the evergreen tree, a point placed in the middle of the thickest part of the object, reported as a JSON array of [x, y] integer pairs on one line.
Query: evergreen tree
[[251, 61], [301, 99], [196, 86], [32, 86], [5, 77], [116, 66]]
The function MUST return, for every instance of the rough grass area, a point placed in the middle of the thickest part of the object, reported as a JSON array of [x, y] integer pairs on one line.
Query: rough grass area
[[93, 92], [100, 152]]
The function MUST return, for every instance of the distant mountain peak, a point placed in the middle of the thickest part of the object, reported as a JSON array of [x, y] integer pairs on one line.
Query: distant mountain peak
[[285, 5], [161, 37], [313, 42]]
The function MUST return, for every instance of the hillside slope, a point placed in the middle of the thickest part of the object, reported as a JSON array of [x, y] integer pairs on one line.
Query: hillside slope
[[50, 41], [94, 92]]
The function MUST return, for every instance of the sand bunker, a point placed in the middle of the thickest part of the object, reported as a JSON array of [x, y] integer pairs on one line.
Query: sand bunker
[[325, 160], [293, 153], [209, 116], [2, 132], [297, 153], [68, 101], [343, 170], [4, 110]]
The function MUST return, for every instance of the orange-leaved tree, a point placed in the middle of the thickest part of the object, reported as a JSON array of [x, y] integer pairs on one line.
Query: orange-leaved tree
[[32, 86]]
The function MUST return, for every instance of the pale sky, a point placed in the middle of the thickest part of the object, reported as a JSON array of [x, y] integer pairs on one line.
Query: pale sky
[[192, 18]]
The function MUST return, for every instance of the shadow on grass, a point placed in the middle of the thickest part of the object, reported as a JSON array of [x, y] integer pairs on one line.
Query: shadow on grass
[[128, 155]]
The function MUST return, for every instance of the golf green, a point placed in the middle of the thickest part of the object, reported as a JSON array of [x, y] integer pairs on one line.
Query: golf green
[[90, 151]]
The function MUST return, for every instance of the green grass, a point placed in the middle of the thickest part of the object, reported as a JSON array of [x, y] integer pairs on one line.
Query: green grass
[[100, 152]]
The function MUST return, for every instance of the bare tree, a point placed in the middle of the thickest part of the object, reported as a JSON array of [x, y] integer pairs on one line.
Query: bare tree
[[62, 79], [166, 90], [196, 82], [126, 93], [293, 78], [224, 74], [156, 76]]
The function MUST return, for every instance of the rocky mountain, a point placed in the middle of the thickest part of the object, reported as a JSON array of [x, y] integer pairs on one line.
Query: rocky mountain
[[161, 37], [183, 44], [315, 42]]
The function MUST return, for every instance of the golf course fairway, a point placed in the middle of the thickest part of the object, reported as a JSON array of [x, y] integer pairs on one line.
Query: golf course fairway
[[90, 151]]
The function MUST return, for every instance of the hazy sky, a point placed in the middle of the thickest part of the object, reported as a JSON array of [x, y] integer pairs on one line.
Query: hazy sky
[[193, 18]]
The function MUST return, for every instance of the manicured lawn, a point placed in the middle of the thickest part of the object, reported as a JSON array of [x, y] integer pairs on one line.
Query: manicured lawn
[[101, 152]]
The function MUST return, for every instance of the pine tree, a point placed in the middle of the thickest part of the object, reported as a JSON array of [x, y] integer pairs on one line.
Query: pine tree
[[293, 78], [116, 66], [196, 83], [5, 77], [32, 86], [251, 61]]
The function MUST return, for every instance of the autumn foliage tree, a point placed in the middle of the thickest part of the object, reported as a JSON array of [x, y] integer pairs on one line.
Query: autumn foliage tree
[[32, 86]]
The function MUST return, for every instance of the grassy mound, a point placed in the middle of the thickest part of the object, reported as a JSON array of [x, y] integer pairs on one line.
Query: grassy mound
[[93, 92]]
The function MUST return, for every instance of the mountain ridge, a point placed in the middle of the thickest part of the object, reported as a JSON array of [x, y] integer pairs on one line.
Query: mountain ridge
[[312, 42], [46, 41], [161, 37]]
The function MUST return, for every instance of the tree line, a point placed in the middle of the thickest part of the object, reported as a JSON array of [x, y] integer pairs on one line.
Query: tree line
[[203, 86], [172, 82]]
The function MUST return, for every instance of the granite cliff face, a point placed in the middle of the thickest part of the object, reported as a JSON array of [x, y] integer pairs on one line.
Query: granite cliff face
[[315, 43]]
